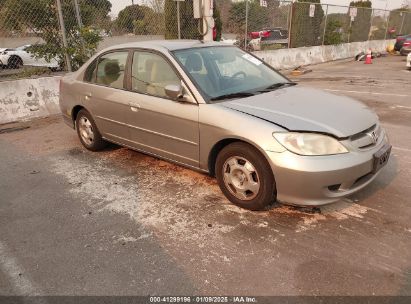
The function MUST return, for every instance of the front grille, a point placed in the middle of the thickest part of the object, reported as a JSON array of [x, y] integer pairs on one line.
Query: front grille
[[368, 138]]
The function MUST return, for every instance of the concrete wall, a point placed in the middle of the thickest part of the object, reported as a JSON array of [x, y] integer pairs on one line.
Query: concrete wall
[[292, 58], [28, 98]]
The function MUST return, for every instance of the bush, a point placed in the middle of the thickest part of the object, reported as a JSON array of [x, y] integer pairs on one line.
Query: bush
[[360, 27], [333, 33], [306, 30]]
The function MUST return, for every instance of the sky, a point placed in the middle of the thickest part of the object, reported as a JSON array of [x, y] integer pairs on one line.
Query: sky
[[118, 5]]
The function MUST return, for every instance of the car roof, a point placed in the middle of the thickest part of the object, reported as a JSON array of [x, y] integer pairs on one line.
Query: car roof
[[170, 45]]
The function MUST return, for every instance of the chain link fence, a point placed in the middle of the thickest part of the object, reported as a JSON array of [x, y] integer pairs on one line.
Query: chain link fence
[[44, 36]]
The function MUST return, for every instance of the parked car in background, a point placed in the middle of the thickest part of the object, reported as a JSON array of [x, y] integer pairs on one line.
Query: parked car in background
[[278, 36], [408, 64], [220, 110], [400, 41], [278, 31], [406, 47], [15, 58]]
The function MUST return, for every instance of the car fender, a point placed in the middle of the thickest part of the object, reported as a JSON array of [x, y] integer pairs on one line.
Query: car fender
[[235, 126]]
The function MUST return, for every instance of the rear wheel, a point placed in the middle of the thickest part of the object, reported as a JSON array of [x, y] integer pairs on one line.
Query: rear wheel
[[15, 62], [245, 177], [88, 133]]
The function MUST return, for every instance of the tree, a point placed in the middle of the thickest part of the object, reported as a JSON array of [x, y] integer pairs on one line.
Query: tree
[[151, 24], [96, 13], [333, 33], [360, 27], [218, 22], [140, 19], [156, 5], [378, 28], [40, 17], [306, 30], [400, 21], [258, 17]]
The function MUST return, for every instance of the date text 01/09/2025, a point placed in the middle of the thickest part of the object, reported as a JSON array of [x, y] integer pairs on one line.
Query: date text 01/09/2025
[[202, 299]]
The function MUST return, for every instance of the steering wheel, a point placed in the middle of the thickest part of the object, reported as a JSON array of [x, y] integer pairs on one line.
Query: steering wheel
[[235, 75], [232, 79]]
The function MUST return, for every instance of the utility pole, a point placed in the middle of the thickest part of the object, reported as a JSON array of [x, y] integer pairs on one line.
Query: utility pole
[[63, 34], [208, 20], [246, 24], [178, 20], [78, 15], [325, 25]]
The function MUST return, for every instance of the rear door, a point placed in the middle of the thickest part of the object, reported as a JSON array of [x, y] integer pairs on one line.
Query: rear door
[[158, 124], [105, 96]]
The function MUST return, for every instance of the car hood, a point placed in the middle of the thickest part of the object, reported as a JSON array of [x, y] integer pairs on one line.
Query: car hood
[[307, 109]]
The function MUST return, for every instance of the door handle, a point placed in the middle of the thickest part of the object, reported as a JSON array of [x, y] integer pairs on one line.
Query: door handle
[[134, 106], [87, 96]]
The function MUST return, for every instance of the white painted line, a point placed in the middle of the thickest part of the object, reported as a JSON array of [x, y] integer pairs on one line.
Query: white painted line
[[401, 149], [17, 276], [372, 93]]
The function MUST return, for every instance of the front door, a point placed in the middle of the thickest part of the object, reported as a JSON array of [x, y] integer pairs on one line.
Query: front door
[[158, 124]]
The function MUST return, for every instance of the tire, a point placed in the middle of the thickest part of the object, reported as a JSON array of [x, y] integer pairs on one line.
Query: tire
[[245, 177], [15, 62], [88, 133]]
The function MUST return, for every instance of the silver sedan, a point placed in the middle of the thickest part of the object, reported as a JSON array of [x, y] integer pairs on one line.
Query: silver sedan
[[217, 109]]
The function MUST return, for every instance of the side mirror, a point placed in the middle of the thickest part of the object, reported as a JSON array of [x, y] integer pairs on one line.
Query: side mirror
[[176, 92]]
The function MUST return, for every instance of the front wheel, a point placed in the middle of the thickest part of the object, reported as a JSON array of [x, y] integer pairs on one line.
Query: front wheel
[[88, 133], [245, 177]]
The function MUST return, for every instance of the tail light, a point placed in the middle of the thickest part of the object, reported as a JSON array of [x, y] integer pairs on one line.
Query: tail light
[[407, 43]]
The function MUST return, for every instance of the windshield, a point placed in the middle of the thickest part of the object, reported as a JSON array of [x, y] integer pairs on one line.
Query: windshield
[[228, 72]]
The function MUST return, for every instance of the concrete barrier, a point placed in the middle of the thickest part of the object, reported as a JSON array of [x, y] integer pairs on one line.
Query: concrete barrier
[[292, 58], [28, 98]]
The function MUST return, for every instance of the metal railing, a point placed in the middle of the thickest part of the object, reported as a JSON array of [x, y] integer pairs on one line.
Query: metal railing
[[70, 31]]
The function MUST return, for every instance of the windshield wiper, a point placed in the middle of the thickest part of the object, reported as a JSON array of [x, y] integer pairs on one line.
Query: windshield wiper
[[277, 85], [233, 95]]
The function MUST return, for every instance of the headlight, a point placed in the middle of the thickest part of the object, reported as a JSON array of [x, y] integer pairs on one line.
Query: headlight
[[310, 143]]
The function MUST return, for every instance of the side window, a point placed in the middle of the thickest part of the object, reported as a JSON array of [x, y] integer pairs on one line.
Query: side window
[[151, 73], [110, 69], [90, 73]]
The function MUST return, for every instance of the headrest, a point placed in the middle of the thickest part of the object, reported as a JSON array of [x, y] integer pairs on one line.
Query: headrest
[[112, 67], [194, 63]]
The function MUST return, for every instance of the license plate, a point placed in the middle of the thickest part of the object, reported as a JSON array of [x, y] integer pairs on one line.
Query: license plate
[[381, 158]]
